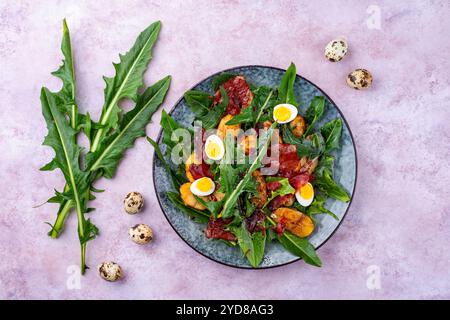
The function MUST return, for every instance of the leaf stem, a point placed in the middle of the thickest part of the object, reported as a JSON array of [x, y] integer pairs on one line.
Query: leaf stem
[[263, 107], [61, 219], [83, 258]]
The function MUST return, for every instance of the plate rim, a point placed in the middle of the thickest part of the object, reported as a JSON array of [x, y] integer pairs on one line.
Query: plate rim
[[352, 193]]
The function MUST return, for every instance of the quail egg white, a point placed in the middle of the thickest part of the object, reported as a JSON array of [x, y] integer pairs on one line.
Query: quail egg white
[[305, 195], [203, 187], [214, 147], [284, 113]]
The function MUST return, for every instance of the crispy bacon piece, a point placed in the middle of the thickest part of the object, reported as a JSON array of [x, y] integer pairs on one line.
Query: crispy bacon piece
[[299, 180], [255, 222], [289, 161], [200, 170], [216, 230], [239, 95], [274, 185], [280, 227], [281, 201]]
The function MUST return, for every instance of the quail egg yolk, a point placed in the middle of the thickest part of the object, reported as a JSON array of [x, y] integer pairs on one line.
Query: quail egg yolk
[[307, 191], [282, 113], [212, 149], [204, 184]]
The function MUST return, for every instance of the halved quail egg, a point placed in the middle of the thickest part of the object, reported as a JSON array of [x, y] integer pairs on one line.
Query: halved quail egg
[[305, 195], [284, 113], [203, 187], [214, 147]]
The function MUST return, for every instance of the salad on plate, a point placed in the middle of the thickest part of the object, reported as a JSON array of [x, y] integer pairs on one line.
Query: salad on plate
[[253, 168]]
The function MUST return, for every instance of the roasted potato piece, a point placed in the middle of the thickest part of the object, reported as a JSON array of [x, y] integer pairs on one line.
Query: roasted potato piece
[[188, 198], [307, 165], [295, 221], [261, 198], [222, 129], [312, 165], [266, 125], [249, 143], [282, 201], [298, 126], [216, 196]]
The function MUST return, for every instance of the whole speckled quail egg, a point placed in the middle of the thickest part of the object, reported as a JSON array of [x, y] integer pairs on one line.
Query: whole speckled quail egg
[[141, 234], [336, 50], [359, 79], [133, 202], [110, 271]]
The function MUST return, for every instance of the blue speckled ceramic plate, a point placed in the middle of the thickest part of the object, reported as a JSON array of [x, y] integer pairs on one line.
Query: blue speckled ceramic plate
[[345, 173]]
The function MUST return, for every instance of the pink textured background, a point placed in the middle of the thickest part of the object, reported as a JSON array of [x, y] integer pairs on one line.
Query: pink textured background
[[399, 219]]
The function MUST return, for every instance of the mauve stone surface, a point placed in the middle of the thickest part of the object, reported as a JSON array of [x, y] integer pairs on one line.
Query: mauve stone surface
[[399, 219]]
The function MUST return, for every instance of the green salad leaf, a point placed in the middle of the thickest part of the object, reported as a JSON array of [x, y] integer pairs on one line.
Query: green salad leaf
[[211, 119], [252, 245], [317, 207], [213, 206], [314, 113], [264, 99], [65, 98], [233, 196], [312, 147], [286, 87], [199, 102], [300, 247], [289, 137], [331, 132], [112, 148], [109, 138], [329, 187], [67, 156], [177, 180], [245, 116], [196, 215], [127, 80], [169, 125], [326, 163]]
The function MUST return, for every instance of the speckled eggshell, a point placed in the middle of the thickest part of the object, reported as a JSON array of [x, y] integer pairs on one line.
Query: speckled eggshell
[[141, 234], [359, 79], [133, 202], [110, 271], [336, 50]]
